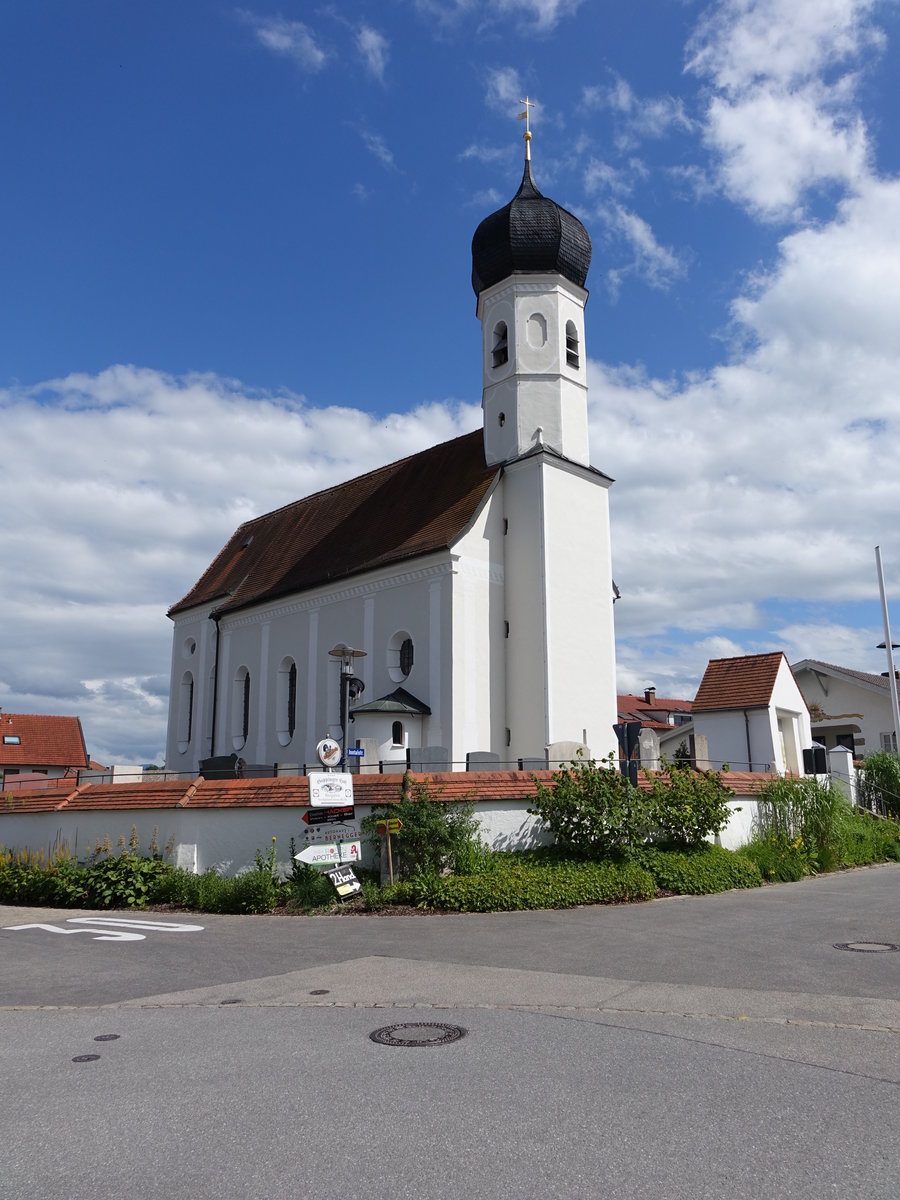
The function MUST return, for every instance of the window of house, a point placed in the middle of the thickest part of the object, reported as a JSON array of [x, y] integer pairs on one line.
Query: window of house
[[573, 357], [500, 348], [11, 739], [888, 742], [397, 733]]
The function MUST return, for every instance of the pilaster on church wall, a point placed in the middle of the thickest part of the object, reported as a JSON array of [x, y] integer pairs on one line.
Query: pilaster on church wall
[[476, 645]]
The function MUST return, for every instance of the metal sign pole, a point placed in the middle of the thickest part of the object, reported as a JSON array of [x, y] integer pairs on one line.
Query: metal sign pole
[[892, 677]]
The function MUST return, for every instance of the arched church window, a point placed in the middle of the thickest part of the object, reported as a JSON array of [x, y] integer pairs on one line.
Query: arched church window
[[286, 701], [500, 348], [397, 733], [573, 357], [186, 711], [240, 714]]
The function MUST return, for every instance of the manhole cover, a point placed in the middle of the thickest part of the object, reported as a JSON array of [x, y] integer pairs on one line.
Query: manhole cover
[[106, 1037], [867, 947], [85, 1058], [419, 1033]]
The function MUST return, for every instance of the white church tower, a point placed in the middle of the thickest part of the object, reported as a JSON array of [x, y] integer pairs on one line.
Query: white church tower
[[530, 262]]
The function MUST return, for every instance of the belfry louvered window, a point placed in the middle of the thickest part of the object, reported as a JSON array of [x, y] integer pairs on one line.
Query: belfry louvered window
[[573, 357], [500, 349]]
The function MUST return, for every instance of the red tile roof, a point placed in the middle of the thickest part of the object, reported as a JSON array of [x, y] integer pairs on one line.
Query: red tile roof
[[411, 507], [653, 716], [42, 741], [745, 682], [293, 791]]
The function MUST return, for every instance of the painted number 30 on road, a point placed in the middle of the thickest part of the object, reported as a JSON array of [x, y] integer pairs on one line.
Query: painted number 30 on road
[[114, 929]]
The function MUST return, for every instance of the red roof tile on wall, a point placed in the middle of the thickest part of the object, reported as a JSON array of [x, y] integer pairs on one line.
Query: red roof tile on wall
[[460, 787], [745, 682]]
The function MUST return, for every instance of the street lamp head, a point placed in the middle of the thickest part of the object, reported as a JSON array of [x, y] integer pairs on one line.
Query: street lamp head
[[342, 650]]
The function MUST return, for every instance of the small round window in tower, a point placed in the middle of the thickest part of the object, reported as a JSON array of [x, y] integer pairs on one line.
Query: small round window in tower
[[190, 647], [536, 331], [500, 346]]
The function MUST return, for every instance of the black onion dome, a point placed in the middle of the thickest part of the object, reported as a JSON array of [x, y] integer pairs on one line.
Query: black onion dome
[[531, 234]]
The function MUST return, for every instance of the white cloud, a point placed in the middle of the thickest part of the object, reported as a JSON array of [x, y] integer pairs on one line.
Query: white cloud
[[503, 90], [292, 39], [652, 117], [378, 147], [764, 484], [656, 264], [543, 15], [375, 51], [782, 118], [147, 498], [486, 154]]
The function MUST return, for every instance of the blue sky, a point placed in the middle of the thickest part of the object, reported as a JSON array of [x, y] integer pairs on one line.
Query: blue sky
[[235, 268]]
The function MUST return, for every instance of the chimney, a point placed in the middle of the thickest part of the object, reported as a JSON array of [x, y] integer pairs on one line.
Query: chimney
[[650, 695]]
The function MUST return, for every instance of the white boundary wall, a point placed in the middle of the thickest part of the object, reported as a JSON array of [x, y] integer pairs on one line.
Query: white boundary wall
[[226, 839]]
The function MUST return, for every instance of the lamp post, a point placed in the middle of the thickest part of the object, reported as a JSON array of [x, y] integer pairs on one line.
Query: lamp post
[[346, 654], [889, 647]]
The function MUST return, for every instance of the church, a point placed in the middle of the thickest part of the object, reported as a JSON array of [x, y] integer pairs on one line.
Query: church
[[474, 577]]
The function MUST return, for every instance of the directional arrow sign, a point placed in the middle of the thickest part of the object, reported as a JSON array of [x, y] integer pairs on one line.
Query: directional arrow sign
[[324, 852], [391, 826], [324, 816]]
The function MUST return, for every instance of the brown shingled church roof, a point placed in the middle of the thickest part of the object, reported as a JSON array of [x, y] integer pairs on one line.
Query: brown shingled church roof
[[408, 508], [745, 682]]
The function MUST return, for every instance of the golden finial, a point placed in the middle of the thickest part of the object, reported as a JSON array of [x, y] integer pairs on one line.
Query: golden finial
[[525, 116]]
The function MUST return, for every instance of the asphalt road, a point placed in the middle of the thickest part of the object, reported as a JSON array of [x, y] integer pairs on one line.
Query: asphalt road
[[716, 1046]]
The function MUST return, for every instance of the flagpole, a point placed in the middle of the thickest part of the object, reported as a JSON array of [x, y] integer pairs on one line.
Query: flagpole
[[892, 677]]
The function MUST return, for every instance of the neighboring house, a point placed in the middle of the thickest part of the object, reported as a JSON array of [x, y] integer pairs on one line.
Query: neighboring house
[[40, 747], [750, 713], [654, 712], [847, 708], [476, 575]]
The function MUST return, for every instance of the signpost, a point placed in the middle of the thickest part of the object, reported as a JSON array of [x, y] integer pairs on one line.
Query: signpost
[[319, 854], [356, 752], [345, 882], [329, 816]]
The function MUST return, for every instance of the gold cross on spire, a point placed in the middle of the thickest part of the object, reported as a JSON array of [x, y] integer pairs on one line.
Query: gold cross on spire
[[525, 116]]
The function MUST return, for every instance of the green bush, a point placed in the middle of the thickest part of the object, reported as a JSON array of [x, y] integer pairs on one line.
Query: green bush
[[879, 784], [777, 858], [433, 836], [805, 813], [686, 806], [698, 871], [253, 892], [864, 839], [121, 881], [595, 811], [513, 886]]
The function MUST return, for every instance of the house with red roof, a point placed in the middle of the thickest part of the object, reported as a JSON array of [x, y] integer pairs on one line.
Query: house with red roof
[[749, 712], [473, 579], [34, 748]]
